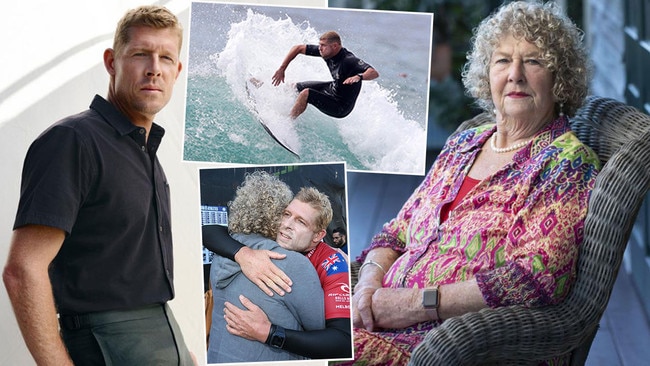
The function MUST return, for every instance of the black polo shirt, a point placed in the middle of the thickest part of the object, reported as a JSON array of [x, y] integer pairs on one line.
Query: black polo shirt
[[96, 177], [342, 66]]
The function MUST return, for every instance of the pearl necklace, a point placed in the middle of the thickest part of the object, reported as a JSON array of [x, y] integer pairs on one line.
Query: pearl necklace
[[506, 149]]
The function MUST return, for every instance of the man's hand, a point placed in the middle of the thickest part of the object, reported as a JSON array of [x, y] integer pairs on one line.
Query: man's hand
[[258, 267], [278, 77], [352, 79], [251, 323]]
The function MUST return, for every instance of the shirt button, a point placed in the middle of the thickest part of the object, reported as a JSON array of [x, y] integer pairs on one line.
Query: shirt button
[[142, 131], [143, 148]]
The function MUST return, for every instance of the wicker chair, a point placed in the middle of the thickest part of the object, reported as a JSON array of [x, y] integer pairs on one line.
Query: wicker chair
[[620, 135]]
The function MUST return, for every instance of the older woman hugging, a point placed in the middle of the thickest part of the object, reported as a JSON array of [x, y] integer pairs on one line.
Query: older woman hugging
[[498, 219]]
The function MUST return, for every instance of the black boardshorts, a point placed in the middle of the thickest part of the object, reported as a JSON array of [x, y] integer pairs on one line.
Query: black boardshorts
[[322, 97]]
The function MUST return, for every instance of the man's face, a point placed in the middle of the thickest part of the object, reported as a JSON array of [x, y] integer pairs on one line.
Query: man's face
[[328, 50], [297, 228], [144, 71], [339, 240]]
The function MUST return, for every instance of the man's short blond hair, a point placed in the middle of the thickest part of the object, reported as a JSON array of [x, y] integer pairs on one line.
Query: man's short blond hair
[[152, 16], [318, 201], [331, 37]]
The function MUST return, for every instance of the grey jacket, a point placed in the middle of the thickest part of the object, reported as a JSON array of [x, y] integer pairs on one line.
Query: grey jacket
[[301, 309]]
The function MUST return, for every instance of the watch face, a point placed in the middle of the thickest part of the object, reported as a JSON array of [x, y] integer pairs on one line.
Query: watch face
[[430, 298], [277, 339]]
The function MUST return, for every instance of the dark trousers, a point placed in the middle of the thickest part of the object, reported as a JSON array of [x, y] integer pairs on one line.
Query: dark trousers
[[144, 336]]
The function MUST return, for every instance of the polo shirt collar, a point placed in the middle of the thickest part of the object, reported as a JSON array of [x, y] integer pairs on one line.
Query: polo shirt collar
[[118, 120]]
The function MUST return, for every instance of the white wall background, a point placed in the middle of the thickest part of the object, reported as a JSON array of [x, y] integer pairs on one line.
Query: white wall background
[[51, 67]]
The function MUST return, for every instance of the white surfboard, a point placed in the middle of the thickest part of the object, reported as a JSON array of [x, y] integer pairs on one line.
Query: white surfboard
[[267, 126]]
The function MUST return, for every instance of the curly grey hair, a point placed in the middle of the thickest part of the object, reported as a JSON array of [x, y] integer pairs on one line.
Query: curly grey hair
[[258, 205], [547, 27]]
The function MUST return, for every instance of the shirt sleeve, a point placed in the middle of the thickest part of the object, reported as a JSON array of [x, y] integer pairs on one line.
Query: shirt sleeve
[[57, 176], [541, 248], [312, 50], [217, 239], [361, 66]]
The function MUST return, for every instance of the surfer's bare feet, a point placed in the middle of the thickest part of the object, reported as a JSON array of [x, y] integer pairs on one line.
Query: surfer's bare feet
[[256, 82]]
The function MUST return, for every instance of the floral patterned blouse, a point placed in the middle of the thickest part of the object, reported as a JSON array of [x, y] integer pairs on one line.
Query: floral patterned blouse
[[517, 231]]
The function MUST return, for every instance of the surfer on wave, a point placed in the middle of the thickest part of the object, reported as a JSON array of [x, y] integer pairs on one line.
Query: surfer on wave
[[335, 98]]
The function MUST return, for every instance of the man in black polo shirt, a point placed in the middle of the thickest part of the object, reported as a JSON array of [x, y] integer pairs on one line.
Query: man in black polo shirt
[[92, 237], [335, 98]]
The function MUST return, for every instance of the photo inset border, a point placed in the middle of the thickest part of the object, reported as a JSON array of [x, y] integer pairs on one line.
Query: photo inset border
[[235, 113]]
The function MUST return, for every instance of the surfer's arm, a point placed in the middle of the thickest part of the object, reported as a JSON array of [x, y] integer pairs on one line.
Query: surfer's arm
[[278, 76], [332, 342], [370, 74], [255, 264], [217, 239]]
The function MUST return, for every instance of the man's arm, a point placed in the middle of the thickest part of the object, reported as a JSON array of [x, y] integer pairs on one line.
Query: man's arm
[[278, 76], [28, 284], [217, 239], [369, 74], [255, 264], [334, 341], [252, 323]]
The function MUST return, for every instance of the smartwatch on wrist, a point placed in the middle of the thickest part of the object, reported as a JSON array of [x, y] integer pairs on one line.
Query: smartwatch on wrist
[[276, 336], [431, 301], [360, 76]]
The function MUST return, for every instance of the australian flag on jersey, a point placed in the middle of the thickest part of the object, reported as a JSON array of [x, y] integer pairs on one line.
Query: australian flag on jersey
[[335, 263]]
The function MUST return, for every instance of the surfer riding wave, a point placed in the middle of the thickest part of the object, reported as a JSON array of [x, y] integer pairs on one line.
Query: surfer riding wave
[[335, 98]]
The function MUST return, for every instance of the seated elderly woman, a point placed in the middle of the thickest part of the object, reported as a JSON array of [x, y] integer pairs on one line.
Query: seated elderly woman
[[498, 219], [254, 218]]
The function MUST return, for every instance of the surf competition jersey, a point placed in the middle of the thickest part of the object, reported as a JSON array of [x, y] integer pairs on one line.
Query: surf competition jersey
[[332, 269], [341, 66]]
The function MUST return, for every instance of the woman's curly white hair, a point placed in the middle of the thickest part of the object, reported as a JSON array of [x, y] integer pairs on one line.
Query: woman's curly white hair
[[258, 205], [547, 27]]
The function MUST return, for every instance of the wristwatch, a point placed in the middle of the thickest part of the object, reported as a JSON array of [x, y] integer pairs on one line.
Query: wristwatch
[[431, 301], [276, 336], [360, 76]]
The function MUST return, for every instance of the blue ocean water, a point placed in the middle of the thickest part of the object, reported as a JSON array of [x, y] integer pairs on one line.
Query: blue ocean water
[[230, 44]]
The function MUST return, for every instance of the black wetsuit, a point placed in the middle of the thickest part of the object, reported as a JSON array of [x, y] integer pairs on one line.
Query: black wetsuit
[[332, 97]]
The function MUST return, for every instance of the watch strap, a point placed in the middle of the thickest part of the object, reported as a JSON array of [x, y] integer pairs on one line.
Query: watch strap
[[268, 337]]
